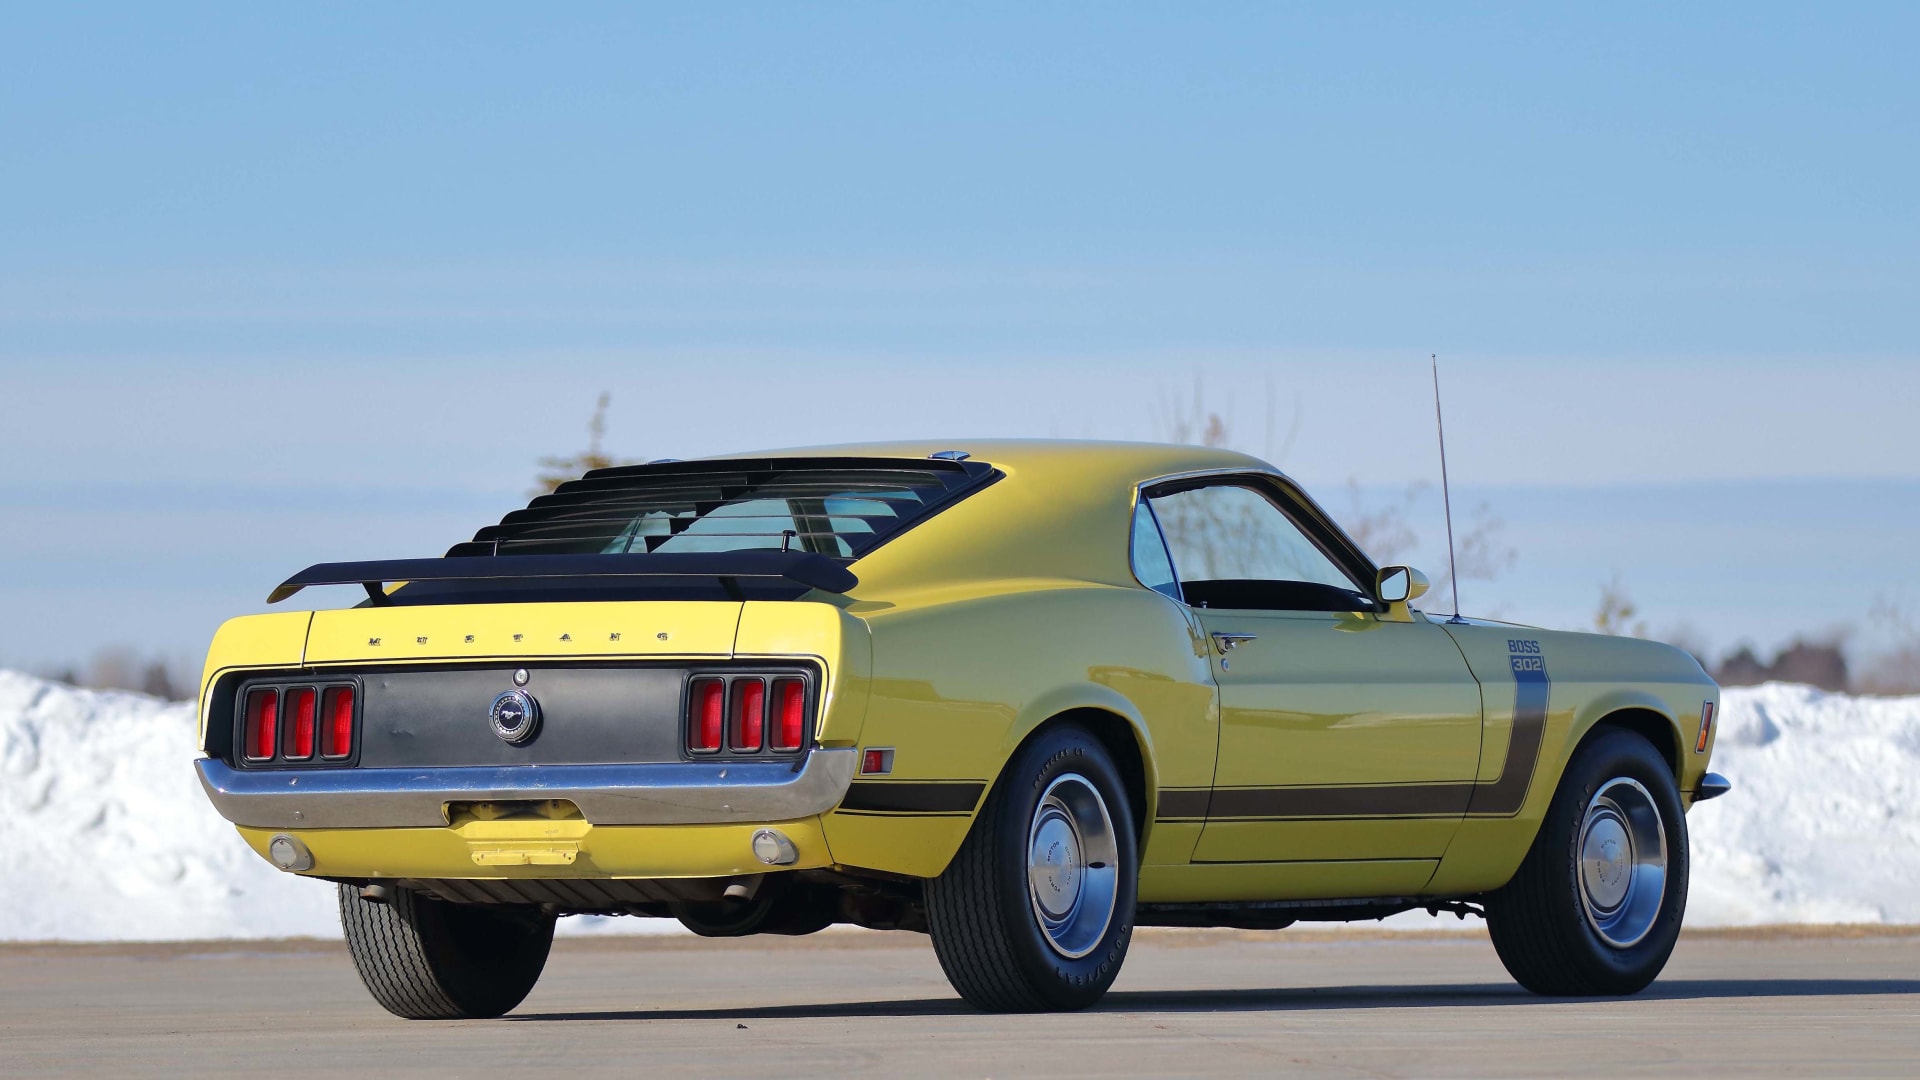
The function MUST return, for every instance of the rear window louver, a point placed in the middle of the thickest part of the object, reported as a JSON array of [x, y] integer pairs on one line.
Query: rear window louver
[[841, 508]]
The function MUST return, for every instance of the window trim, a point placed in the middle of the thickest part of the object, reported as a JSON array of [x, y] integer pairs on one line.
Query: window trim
[[1307, 515]]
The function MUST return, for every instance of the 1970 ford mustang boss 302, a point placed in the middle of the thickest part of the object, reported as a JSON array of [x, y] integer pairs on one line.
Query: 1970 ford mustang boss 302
[[1022, 698]]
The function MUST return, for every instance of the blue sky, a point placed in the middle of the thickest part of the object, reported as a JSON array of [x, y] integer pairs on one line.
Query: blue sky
[[281, 285]]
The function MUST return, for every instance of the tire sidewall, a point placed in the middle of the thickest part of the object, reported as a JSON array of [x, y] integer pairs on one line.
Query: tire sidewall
[[1619, 754], [485, 960], [1068, 982]]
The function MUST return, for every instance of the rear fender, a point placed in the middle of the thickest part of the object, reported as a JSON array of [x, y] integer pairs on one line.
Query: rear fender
[[1059, 703]]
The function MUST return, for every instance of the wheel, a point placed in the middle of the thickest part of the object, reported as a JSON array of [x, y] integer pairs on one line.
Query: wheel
[[1596, 906], [426, 959], [1036, 910]]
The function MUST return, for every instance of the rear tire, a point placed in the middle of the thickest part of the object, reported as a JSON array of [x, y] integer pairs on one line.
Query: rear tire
[[1036, 910], [427, 959], [1596, 907]]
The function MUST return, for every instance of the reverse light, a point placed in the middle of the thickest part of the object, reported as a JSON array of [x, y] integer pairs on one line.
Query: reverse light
[[302, 705], [789, 713], [262, 724], [336, 705], [707, 710]]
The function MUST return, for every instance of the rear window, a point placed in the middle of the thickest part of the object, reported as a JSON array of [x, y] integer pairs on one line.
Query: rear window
[[838, 507]]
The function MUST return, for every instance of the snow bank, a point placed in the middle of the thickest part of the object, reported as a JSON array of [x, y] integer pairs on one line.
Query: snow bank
[[105, 835], [1823, 824]]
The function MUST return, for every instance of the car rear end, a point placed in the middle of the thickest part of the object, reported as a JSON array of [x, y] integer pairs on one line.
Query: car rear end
[[595, 756]]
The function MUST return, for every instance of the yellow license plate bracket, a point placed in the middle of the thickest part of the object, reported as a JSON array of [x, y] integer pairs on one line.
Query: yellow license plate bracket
[[525, 855]]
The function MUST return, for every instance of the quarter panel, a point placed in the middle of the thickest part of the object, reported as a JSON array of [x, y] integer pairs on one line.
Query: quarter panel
[[963, 676]]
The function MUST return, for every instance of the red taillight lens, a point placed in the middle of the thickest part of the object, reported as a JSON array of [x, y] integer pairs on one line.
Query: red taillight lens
[[706, 715], [790, 714], [749, 721], [302, 704], [262, 723], [336, 706]]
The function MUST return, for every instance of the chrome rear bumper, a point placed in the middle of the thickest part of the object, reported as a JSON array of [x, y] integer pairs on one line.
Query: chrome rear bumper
[[672, 793]]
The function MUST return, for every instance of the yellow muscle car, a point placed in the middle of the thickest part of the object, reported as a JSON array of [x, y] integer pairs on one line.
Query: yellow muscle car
[[1019, 696]]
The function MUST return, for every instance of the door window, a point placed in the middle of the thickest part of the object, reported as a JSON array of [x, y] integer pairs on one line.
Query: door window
[[1233, 547]]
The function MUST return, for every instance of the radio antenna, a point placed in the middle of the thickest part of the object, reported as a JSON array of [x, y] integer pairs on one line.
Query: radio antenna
[[1446, 493]]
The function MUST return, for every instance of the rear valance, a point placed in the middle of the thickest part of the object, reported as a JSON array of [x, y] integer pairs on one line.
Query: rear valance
[[805, 568]]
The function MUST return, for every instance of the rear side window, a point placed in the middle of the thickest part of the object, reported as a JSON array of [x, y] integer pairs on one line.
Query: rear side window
[[1151, 563], [838, 507]]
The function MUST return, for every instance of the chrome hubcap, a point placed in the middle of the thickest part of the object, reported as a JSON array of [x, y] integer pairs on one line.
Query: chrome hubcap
[[1072, 871], [1623, 862]]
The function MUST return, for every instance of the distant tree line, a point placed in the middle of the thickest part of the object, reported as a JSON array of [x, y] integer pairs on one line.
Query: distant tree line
[[1820, 664], [121, 668]]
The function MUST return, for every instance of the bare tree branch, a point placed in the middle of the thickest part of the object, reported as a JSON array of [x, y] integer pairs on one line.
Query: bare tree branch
[[558, 470]]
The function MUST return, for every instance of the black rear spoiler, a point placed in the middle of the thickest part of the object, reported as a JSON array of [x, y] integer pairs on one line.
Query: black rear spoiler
[[815, 571]]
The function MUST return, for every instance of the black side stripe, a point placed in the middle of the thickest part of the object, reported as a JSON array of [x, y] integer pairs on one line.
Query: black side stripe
[[1532, 691], [1177, 804], [913, 797]]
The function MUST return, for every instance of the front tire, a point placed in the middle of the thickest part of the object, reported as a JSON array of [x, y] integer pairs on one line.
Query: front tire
[[1036, 910], [427, 959], [1596, 907]]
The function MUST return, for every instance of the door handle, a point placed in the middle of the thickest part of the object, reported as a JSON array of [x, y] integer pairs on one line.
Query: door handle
[[1226, 643]]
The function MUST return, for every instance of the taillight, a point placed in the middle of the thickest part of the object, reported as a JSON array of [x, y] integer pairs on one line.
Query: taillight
[[790, 713], [301, 706], [336, 706], [706, 715], [746, 714], [262, 723], [747, 728]]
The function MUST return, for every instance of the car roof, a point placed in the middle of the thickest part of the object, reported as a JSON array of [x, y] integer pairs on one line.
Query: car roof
[[1045, 461]]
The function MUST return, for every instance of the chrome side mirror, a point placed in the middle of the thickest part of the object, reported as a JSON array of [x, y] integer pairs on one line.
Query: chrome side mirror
[[1400, 584]]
